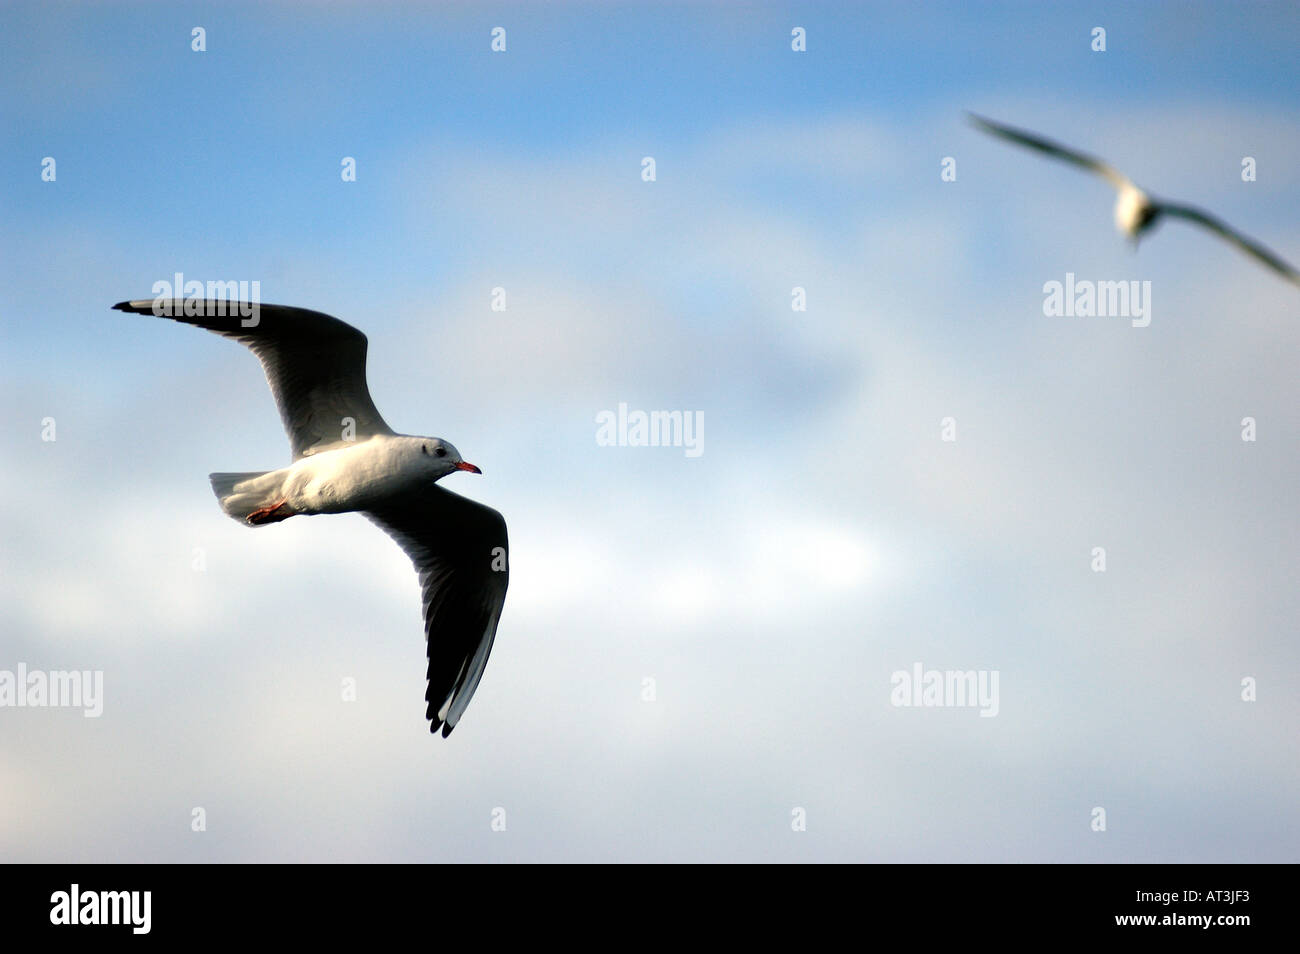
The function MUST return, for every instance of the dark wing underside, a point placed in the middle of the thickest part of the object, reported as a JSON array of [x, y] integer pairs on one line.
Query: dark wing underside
[[459, 549], [314, 363], [1252, 248], [1046, 146]]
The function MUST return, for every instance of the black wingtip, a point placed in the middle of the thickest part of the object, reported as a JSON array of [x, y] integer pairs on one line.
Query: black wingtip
[[446, 730], [122, 306]]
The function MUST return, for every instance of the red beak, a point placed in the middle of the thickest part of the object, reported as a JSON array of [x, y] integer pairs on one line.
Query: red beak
[[465, 465]]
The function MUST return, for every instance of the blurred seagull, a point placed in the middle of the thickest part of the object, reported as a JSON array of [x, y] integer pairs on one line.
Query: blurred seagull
[[347, 459], [1135, 210]]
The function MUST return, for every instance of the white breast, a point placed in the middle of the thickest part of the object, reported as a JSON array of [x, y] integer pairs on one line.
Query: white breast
[[1129, 208], [349, 478]]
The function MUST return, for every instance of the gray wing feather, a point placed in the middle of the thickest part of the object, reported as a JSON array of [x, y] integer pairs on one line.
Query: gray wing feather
[[459, 549], [1249, 246], [314, 363], [1053, 149]]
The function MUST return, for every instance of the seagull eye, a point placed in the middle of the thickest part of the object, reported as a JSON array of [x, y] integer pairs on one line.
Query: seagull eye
[[441, 452]]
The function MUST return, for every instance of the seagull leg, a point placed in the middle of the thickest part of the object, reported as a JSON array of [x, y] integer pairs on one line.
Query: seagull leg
[[272, 514]]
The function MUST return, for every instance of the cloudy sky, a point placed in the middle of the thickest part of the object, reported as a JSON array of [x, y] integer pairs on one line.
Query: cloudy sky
[[766, 591]]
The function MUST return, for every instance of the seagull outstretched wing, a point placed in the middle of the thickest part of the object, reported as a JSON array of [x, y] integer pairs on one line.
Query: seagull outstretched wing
[[1249, 246], [459, 549], [1054, 149], [314, 363]]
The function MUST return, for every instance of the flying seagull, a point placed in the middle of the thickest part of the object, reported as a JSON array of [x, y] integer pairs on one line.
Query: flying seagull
[[1135, 210], [345, 458]]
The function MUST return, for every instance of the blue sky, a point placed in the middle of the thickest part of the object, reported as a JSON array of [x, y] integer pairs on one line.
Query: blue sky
[[825, 539]]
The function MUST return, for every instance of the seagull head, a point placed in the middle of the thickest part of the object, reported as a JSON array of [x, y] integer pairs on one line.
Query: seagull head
[[441, 458]]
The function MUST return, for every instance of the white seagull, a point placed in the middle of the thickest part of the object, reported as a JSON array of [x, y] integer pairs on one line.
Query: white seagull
[[1135, 210], [345, 458]]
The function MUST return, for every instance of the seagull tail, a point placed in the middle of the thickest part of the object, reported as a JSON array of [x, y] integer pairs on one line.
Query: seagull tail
[[243, 493]]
